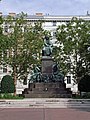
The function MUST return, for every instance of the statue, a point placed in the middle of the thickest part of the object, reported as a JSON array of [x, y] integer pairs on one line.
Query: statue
[[35, 75], [47, 49], [57, 75]]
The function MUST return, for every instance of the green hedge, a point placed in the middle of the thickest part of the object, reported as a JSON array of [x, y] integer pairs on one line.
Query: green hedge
[[84, 84], [7, 84], [9, 96]]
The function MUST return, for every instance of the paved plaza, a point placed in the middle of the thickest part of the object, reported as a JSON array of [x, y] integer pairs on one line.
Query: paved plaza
[[45, 109], [43, 114]]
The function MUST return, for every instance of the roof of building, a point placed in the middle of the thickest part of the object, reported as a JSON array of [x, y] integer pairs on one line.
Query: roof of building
[[51, 17]]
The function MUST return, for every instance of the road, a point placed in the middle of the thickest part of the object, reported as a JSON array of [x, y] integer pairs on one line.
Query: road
[[44, 114]]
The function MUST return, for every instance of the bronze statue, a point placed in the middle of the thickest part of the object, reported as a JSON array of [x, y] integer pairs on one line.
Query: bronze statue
[[47, 49], [36, 74]]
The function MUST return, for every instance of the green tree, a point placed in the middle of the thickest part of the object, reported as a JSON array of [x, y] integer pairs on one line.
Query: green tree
[[71, 53], [31, 48], [24, 44], [1, 22], [3, 41]]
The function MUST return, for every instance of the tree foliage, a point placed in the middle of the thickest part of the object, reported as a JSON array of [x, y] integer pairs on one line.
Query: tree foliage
[[72, 53], [22, 45]]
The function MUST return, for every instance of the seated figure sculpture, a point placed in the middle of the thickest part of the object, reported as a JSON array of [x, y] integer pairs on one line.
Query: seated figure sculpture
[[47, 48]]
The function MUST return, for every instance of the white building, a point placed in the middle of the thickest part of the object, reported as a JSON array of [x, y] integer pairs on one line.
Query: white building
[[51, 22]]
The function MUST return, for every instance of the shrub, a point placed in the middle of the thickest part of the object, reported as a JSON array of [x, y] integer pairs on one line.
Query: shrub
[[84, 84], [86, 95], [7, 84]]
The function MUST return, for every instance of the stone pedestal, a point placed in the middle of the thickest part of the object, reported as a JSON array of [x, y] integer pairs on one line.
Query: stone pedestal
[[47, 87], [47, 90], [47, 64]]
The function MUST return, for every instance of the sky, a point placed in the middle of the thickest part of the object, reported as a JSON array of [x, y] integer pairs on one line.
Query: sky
[[51, 7]]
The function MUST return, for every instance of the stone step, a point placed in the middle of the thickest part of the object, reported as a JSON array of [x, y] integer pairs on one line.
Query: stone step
[[50, 85], [47, 95], [47, 92], [48, 89]]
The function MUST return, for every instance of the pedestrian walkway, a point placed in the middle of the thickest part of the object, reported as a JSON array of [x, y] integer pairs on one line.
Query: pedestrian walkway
[[46, 103], [43, 114]]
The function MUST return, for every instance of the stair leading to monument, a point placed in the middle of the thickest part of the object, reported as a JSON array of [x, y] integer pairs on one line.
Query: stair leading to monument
[[47, 90]]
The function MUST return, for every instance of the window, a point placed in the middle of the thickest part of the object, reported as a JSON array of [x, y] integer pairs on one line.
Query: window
[[25, 81], [4, 70], [6, 29], [68, 79], [69, 65], [54, 34], [0, 87], [54, 23]]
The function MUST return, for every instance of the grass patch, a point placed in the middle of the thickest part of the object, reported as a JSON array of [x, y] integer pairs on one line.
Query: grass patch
[[10, 96], [82, 96]]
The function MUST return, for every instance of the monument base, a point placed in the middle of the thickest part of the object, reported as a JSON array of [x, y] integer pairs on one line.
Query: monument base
[[47, 65], [47, 90]]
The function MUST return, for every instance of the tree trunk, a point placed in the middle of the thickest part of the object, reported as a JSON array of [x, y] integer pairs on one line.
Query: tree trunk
[[15, 78]]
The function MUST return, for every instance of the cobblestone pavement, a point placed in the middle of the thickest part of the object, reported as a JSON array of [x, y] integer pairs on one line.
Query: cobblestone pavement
[[44, 114]]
